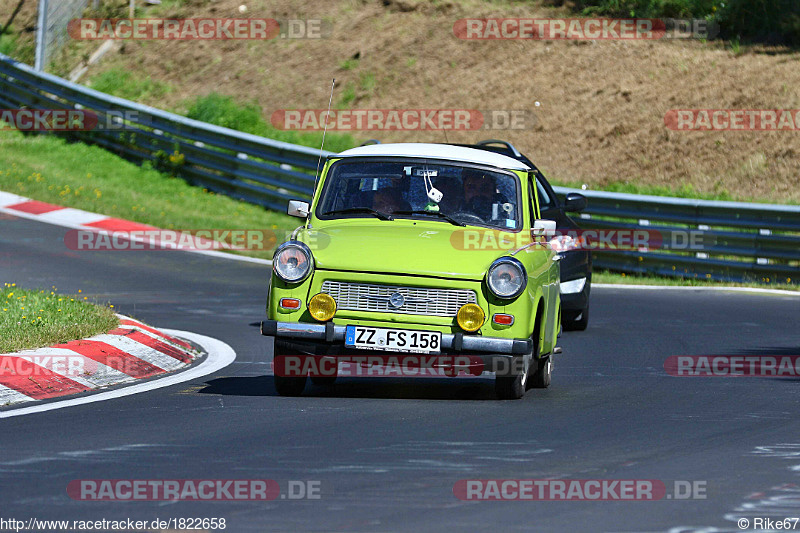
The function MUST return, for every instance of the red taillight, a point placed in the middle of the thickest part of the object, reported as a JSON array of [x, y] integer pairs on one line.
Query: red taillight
[[502, 319], [290, 303]]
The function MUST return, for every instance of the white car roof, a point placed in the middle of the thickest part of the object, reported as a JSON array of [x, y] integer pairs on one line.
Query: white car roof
[[438, 151]]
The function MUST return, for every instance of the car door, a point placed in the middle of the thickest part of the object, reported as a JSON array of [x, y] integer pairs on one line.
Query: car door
[[550, 283]]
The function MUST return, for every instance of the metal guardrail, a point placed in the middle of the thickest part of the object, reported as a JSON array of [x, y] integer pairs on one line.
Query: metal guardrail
[[740, 241], [750, 242], [252, 168]]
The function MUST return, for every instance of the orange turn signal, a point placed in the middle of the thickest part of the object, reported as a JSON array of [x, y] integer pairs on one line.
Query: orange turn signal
[[503, 319], [290, 303]]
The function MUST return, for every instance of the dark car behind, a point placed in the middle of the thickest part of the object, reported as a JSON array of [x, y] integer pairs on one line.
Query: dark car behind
[[576, 264]]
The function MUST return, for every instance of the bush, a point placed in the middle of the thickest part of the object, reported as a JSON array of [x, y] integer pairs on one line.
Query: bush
[[120, 82], [770, 21], [248, 117], [223, 111], [649, 8]]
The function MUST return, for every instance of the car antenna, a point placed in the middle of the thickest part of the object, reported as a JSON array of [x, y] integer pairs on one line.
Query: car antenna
[[316, 176]]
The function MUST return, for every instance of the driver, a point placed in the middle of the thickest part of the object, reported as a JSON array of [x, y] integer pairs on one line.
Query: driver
[[479, 194], [453, 195]]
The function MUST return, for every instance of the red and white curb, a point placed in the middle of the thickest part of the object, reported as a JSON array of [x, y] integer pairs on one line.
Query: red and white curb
[[131, 352], [69, 217]]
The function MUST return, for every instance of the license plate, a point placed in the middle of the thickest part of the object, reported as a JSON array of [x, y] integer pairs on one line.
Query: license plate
[[394, 340]]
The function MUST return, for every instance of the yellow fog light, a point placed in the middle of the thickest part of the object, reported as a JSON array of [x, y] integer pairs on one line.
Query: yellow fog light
[[470, 317], [322, 307]]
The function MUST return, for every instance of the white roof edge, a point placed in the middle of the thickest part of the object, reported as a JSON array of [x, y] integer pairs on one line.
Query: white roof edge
[[437, 151]]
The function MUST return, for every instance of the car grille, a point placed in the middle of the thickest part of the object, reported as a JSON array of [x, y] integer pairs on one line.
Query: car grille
[[415, 301]]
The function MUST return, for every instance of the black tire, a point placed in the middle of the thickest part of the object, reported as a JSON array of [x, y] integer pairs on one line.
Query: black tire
[[578, 323], [511, 387], [323, 381], [543, 375], [290, 386]]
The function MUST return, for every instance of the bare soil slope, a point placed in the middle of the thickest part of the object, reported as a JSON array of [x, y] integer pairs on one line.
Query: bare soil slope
[[602, 104]]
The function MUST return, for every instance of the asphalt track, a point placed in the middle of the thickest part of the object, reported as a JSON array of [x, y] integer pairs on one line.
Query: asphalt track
[[388, 451]]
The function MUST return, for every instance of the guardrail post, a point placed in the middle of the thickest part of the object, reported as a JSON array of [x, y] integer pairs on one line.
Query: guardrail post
[[41, 35]]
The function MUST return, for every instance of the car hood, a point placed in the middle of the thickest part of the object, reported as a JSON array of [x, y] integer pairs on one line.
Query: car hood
[[424, 249]]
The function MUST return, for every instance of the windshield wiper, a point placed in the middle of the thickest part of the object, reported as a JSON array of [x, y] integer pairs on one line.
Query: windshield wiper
[[379, 214], [434, 213]]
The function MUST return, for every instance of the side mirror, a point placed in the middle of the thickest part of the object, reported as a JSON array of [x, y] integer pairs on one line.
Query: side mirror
[[543, 228], [298, 208], [575, 202]]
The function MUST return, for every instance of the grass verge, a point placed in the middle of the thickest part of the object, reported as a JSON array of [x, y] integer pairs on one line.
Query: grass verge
[[34, 319], [49, 169], [605, 276]]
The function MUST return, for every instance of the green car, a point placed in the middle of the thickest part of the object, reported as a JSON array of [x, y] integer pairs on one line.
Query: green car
[[434, 254]]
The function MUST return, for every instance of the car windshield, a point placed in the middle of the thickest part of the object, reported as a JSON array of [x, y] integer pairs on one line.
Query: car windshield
[[446, 192]]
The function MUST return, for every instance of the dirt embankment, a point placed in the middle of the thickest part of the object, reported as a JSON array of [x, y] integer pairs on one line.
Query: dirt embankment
[[600, 117]]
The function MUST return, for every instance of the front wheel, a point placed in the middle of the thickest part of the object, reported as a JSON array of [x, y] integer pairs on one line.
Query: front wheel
[[578, 323], [543, 375], [290, 386], [512, 387], [286, 385], [323, 381]]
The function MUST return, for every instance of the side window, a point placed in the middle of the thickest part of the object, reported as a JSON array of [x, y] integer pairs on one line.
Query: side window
[[545, 202]]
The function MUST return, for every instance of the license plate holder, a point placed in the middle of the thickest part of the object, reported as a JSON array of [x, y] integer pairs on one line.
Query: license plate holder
[[393, 340]]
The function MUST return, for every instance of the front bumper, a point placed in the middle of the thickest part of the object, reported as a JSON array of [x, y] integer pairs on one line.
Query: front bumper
[[330, 338]]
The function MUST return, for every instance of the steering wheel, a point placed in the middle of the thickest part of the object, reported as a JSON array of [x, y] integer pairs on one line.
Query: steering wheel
[[463, 216]]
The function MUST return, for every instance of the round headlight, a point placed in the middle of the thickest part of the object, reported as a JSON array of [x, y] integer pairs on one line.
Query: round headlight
[[507, 278], [292, 261], [470, 317], [322, 307]]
